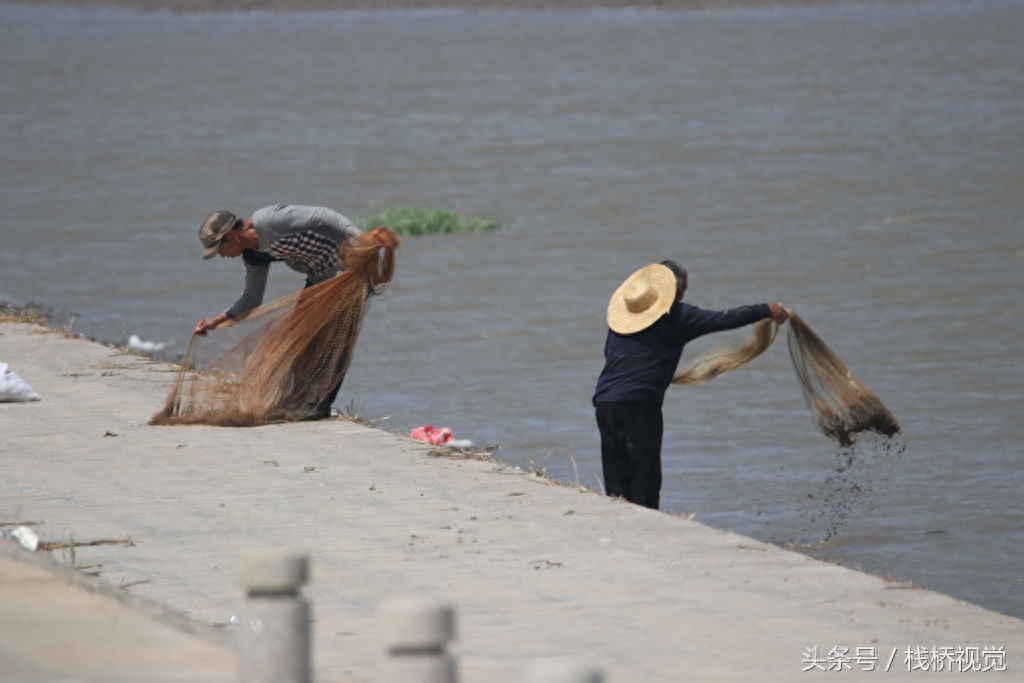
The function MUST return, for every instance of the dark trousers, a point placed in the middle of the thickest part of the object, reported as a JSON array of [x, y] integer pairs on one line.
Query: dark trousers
[[631, 434], [324, 406]]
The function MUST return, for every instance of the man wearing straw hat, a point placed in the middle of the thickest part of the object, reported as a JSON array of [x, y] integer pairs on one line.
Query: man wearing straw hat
[[648, 327]]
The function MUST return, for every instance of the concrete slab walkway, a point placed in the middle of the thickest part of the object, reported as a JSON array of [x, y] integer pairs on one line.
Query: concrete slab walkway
[[58, 625], [534, 569]]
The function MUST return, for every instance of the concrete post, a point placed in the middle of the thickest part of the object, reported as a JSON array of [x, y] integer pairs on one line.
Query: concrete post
[[563, 671], [416, 633], [273, 636]]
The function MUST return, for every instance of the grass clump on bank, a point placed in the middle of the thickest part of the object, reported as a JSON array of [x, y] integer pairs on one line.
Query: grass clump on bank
[[412, 220], [29, 313]]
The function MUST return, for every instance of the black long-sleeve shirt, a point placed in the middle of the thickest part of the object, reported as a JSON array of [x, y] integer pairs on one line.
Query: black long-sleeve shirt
[[639, 367]]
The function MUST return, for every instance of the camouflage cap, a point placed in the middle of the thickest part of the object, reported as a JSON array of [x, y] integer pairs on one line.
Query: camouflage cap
[[212, 231]]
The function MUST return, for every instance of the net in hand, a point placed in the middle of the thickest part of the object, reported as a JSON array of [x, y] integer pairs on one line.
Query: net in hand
[[293, 351], [841, 405], [727, 357]]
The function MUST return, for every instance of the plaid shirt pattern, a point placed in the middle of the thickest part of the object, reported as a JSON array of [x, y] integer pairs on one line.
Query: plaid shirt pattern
[[316, 252]]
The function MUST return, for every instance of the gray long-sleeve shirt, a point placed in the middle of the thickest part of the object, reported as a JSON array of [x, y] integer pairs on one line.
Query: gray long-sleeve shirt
[[304, 238]]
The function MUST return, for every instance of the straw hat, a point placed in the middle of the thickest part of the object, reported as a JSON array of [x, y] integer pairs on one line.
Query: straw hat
[[645, 296]]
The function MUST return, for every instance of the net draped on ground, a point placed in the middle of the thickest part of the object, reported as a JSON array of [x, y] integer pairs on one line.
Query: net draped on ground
[[841, 405], [292, 350]]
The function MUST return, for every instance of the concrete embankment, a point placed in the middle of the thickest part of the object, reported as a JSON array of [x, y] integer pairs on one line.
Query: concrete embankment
[[534, 569]]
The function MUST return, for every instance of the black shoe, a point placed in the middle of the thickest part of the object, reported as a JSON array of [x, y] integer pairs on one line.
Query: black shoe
[[319, 413], [307, 414]]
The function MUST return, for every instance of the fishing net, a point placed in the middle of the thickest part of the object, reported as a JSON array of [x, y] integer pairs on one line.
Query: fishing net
[[841, 405], [291, 352], [727, 357]]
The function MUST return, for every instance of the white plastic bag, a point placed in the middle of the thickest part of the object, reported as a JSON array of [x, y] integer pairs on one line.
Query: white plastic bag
[[14, 388], [28, 539]]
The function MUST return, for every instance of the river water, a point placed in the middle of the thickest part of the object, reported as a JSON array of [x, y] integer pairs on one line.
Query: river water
[[860, 163]]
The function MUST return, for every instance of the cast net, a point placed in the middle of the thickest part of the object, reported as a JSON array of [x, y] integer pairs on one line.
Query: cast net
[[287, 355], [841, 405]]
